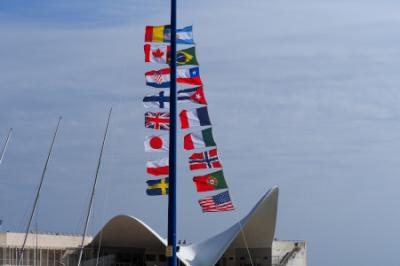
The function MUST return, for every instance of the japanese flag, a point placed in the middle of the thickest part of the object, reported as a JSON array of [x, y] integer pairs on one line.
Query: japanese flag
[[156, 143]]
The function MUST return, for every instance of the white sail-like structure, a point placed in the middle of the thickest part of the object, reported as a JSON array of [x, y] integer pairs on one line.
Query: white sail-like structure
[[254, 232]]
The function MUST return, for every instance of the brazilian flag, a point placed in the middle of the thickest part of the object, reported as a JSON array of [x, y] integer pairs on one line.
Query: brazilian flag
[[186, 57], [157, 187]]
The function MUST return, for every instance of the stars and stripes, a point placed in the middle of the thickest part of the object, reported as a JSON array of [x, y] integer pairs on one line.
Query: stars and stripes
[[218, 203], [159, 120]]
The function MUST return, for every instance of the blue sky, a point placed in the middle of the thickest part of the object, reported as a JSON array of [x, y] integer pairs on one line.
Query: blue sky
[[303, 95]]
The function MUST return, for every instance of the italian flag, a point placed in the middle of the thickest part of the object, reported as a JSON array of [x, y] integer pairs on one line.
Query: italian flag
[[199, 140], [209, 182]]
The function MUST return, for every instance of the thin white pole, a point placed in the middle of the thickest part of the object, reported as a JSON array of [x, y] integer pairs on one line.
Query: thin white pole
[[3, 151], [93, 189], [38, 193]]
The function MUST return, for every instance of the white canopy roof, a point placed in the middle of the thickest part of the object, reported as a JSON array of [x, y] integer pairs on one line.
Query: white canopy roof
[[258, 229]]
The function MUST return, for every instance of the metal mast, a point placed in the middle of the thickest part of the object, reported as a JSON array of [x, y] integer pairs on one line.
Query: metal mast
[[93, 190], [3, 151], [171, 248], [21, 252]]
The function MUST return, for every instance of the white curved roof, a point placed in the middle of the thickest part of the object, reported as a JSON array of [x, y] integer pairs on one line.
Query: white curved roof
[[127, 231], [258, 229]]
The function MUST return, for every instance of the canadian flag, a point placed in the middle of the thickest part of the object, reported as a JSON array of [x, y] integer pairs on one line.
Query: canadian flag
[[156, 143], [156, 53], [158, 167]]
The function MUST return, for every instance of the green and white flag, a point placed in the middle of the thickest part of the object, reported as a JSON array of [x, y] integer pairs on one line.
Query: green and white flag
[[199, 140]]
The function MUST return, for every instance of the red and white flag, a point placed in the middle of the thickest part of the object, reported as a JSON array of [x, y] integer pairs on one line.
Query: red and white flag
[[156, 53], [158, 78], [156, 143], [218, 203], [158, 167]]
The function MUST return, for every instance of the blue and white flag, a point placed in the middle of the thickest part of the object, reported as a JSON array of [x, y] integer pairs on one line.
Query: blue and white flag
[[183, 35]]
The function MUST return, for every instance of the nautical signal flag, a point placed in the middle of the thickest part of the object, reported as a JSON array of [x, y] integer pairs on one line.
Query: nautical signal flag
[[218, 203], [204, 160], [209, 182], [157, 187], [158, 167], [161, 78], [160, 54], [159, 120], [163, 34], [195, 95], [156, 143], [199, 140], [194, 118]]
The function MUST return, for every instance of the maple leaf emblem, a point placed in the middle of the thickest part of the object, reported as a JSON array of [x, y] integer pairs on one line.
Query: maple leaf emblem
[[158, 53]]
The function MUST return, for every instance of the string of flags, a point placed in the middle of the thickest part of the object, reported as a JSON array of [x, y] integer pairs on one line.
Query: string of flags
[[196, 121]]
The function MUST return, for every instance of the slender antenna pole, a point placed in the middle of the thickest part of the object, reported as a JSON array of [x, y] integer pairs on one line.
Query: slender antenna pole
[[171, 248], [36, 243], [93, 189], [38, 193], [3, 151]]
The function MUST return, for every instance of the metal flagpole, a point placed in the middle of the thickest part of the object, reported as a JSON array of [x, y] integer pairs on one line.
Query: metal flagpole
[[171, 248], [38, 193], [3, 151], [93, 190]]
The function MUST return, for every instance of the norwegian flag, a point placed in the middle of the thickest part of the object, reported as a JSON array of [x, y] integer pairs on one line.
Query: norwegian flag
[[204, 160], [158, 120], [218, 203]]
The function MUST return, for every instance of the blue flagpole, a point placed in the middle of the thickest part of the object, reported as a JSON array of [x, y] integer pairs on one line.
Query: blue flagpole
[[171, 248]]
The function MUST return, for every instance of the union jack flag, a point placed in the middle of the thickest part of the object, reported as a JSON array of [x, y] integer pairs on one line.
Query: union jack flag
[[158, 121], [204, 160]]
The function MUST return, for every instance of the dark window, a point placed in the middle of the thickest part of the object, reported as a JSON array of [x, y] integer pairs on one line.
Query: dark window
[[162, 258], [150, 257]]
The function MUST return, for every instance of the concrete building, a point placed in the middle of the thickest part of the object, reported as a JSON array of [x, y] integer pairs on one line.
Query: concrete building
[[41, 249], [127, 241]]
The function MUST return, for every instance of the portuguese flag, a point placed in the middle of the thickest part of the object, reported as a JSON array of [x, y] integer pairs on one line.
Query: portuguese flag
[[212, 181], [199, 140]]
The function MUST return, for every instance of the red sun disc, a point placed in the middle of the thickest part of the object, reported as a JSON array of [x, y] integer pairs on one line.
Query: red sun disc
[[156, 143]]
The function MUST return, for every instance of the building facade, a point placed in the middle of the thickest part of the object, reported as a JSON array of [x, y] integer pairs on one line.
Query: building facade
[[127, 241]]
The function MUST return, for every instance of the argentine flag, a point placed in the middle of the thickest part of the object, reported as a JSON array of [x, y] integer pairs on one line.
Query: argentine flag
[[183, 35]]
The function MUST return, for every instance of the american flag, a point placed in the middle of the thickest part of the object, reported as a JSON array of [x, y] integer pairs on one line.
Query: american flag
[[218, 203], [158, 121]]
